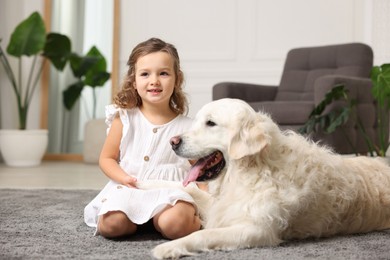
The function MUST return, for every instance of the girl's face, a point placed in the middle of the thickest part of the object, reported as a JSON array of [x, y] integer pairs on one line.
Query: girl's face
[[155, 78]]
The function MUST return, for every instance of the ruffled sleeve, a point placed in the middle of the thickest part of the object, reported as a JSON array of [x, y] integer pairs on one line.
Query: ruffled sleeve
[[111, 112]]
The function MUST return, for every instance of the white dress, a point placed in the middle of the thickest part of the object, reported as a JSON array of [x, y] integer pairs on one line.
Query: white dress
[[145, 152]]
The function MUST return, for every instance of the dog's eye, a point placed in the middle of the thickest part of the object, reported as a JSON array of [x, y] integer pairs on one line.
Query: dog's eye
[[210, 123]]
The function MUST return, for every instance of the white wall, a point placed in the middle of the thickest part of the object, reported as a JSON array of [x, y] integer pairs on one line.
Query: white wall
[[380, 33], [220, 40], [238, 40]]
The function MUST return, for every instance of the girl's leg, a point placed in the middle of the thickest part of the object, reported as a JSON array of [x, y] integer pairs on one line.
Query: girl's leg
[[177, 221], [115, 224]]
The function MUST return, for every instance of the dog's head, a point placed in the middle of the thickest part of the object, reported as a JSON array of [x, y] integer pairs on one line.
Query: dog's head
[[223, 130]]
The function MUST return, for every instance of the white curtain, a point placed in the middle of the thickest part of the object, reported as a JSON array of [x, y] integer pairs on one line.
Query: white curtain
[[98, 32], [86, 23]]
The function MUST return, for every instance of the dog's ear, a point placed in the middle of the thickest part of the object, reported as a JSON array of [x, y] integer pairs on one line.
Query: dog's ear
[[250, 138]]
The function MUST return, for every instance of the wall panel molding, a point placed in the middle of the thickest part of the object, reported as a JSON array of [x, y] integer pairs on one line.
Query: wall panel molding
[[238, 40]]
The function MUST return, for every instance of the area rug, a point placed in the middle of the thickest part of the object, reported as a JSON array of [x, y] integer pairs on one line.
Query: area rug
[[48, 224]]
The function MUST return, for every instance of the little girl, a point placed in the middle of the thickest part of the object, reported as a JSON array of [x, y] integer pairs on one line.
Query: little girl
[[148, 111]]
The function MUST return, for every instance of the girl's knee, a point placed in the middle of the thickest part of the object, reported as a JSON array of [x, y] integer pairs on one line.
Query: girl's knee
[[177, 221], [115, 224]]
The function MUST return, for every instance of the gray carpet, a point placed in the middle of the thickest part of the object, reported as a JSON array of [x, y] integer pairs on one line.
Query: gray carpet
[[48, 224]]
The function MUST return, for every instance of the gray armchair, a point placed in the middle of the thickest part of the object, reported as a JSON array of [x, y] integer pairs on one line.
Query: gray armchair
[[309, 73]]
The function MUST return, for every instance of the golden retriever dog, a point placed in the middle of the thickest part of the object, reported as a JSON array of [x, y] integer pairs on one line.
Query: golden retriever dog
[[267, 186]]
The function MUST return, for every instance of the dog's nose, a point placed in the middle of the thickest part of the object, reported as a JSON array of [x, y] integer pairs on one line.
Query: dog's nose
[[175, 142]]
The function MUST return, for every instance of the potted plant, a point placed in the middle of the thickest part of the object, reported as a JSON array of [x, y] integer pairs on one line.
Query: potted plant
[[29, 42], [89, 71], [329, 122]]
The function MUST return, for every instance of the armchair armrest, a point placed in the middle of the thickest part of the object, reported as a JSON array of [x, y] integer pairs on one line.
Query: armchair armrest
[[359, 88], [244, 91]]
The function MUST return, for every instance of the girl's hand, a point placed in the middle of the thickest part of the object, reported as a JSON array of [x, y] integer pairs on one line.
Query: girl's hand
[[129, 181]]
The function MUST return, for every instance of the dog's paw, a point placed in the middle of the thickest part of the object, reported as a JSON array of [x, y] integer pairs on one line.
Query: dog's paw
[[143, 185], [170, 250]]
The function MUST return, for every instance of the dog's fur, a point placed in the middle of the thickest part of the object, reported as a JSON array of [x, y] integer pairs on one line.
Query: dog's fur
[[276, 185]]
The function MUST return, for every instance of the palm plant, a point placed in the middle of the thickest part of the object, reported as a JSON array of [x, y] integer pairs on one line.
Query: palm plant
[[29, 39]]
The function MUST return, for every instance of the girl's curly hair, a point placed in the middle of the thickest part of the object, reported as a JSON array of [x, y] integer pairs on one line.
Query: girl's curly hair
[[128, 96]]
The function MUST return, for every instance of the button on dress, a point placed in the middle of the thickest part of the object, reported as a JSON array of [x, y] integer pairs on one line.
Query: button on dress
[[145, 153]]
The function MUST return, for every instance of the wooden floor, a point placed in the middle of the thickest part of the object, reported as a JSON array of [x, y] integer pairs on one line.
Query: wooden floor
[[57, 175], [53, 175]]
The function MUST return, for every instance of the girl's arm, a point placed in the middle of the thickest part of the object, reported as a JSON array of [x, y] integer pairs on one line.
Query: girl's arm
[[108, 160]]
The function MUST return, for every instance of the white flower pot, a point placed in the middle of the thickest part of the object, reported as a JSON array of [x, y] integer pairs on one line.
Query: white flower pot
[[94, 137], [23, 148]]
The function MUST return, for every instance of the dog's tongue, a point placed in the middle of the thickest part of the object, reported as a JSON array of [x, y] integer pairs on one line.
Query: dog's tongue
[[195, 171]]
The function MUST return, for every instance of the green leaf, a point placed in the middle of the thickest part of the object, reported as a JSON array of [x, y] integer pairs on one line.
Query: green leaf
[[57, 49], [339, 118], [380, 77], [28, 37], [81, 64], [90, 71], [96, 75], [72, 94], [375, 71], [97, 79], [330, 121], [335, 93], [385, 68]]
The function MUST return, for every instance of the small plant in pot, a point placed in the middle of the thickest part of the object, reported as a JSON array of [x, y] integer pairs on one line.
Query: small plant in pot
[[329, 122], [29, 43], [89, 70]]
